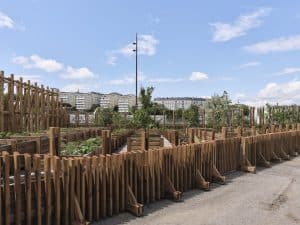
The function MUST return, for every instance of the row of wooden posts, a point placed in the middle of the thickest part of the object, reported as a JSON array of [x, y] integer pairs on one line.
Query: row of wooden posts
[[45, 189], [28, 107]]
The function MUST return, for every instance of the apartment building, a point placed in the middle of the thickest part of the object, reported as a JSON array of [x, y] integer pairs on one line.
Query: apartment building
[[82, 101], [174, 103]]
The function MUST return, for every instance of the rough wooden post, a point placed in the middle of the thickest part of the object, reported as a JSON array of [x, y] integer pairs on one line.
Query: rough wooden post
[[191, 135], [128, 144], [224, 132], [273, 128], [52, 133], [174, 137], [253, 131], [213, 135], [143, 140], [239, 131]]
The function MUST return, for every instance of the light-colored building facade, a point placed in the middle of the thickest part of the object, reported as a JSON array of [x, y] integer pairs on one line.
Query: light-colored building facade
[[82, 101], [125, 102], [174, 103]]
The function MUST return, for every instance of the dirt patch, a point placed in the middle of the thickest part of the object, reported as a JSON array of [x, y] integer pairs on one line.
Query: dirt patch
[[281, 198], [293, 217]]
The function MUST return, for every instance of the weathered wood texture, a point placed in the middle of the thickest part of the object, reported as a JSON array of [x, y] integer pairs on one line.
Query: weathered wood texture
[[52, 190], [28, 107]]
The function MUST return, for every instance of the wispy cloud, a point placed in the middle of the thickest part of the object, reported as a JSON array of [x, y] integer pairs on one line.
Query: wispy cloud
[[111, 60], [196, 76], [146, 46], [6, 21], [282, 44], [77, 73], [32, 78], [289, 70], [249, 64], [165, 80], [130, 79], [36, 62], [282, 93], [52, 66], [223, 32], [274, 93]]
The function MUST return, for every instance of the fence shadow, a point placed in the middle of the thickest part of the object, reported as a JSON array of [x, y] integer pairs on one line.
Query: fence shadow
[[126, 217]]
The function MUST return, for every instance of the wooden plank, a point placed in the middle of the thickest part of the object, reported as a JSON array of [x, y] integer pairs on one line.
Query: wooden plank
[[7, 209], [17, 187], [89, 190], [28, 189], [57, 190], [38, 188], [48, 190], [66, 202], [103, 205], [96, 184], [72, 163]]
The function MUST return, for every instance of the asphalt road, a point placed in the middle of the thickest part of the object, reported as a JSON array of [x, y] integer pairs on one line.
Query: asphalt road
[[271, 196]]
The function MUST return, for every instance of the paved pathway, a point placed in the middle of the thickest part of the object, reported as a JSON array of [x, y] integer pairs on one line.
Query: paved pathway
[[270, 197]]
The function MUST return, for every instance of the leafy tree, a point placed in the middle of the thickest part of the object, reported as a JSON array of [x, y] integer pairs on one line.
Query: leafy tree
[[191, 116], [218, 110], [103, 117], [142, 117]]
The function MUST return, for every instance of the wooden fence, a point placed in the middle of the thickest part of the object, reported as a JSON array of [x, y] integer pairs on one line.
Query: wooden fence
[[27, 107], [42, 189]]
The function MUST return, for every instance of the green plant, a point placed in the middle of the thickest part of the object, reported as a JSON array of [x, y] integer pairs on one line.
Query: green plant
[[81, 148]]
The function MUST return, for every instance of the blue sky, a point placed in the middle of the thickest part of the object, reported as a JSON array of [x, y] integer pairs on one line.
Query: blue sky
[[188, 48]]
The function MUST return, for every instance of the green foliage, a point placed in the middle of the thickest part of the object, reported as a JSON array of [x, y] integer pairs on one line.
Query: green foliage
[[282, 114], [142, 117], [4, 135], [81, 148], [217, 111], [191, 116], [103, 117]]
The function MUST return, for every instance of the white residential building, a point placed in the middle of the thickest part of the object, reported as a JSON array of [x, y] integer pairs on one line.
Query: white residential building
[[174, 103]]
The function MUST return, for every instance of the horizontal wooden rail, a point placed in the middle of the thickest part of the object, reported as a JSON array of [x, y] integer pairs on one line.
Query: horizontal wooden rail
[[43, 189]]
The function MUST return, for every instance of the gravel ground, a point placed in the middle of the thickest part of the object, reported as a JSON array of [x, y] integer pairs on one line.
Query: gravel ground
[[272, 196]]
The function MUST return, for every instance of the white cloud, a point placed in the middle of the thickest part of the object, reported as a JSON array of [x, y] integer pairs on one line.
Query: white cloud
[[51, 66], [285, 93], [80, 73], [36, 62], [198, 76], [289, 70], [127, 80], [146, 46], [6, 21], [226, 31], [250, 64], [281, 93], [75, 87], [164, 80], [281, 44], [32, 78], [111, 60]]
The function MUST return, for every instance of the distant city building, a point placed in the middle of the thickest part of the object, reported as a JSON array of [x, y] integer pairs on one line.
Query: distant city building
[[174, 103], [82, 101], [125, 102]]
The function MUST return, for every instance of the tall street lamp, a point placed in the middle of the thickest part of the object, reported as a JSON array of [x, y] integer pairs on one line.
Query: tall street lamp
[[136, 69]]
